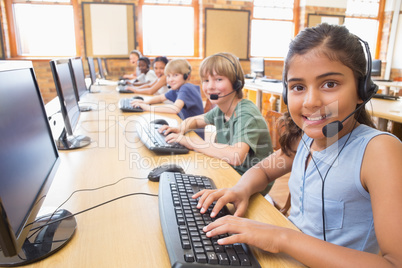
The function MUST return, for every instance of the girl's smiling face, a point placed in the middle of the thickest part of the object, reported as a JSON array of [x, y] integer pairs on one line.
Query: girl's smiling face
[[159, 68], [320, 91]]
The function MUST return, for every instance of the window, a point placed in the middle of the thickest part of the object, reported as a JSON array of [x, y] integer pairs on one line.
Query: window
[[43, 28], [169, 30], [272, 28], [362, 20]]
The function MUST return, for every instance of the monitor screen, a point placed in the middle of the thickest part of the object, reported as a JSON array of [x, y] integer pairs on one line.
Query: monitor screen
[[92, 71], [257, 67], [29, 158], [77, 70], [70, 110], [376, 68]]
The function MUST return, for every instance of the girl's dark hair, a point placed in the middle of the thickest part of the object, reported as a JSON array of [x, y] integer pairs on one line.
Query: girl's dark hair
[[338, 44], [162, 59], [146, 60]]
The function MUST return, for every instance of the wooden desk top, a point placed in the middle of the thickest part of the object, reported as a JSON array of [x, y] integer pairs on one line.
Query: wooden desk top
[[387, 109], [127, 232]]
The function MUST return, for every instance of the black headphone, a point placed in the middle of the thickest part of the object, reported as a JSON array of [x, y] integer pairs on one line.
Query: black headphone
[[238, 84], [185, 76], [366, 87]]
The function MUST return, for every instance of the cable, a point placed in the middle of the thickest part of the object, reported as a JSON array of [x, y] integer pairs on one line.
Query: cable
[[73, 193], [326, 174], [93, 207]]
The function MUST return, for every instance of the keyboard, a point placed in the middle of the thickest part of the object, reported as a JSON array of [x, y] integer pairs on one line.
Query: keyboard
[[182, 224], [123, 89], [125, 106], [155, 141], [385, 97]]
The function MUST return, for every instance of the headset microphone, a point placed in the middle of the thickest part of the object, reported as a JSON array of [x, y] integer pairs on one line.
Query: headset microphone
[[333, 128], [215, 96]]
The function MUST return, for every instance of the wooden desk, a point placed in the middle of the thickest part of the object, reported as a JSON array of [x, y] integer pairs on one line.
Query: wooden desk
[[266, 95], [387, 110], [387, 86], [127, 232]]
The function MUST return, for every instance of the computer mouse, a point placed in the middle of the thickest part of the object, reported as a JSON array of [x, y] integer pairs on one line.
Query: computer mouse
[[137, 98], [159, 122], [155, 174]]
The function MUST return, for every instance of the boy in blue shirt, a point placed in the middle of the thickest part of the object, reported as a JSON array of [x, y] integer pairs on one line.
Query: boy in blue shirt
[[186, 97]]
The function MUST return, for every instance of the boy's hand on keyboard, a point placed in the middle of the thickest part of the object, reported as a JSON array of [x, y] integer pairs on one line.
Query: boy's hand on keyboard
[[180, 139], [222, 197], [165, 129], [258, 234], [140, 103]]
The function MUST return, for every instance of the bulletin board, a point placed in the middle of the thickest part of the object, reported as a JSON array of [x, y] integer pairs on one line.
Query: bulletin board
[[227, 30], [315, 19], [109, 29]]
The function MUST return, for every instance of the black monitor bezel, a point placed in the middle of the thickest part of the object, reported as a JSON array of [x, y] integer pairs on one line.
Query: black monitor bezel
[[92, 70], [100, 68], [80, 90], [71, 116], [374, 70], [11, 244]]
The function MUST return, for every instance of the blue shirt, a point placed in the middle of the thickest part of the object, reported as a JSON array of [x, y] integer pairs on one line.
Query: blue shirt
[[191, 96], [348, 212]]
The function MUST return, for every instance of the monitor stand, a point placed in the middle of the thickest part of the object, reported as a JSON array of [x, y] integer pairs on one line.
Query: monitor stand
[[44, 241], [66, 142]]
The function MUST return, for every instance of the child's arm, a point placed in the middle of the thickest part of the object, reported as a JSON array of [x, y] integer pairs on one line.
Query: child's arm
[[145, 105], [380, 175], [174, 108], [151, 88], [187, 125], [254, 180]]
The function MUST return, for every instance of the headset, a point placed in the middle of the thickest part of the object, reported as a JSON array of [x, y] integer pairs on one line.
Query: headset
[[185, 76], [366, 90], [238, 84]]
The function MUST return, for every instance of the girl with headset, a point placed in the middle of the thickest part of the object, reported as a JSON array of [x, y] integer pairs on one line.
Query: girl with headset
[[345, 185], [185, 97], [159, 86], [242, 137]]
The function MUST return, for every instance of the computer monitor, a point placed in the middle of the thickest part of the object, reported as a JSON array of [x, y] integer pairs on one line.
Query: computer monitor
[[80, 87], [29, 161], [102, 73], [376, 68], [77, 70], [257, 67], [92, 71], [63, 80]]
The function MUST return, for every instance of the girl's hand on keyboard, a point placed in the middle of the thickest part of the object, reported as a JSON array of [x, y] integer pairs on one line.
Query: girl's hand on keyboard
[[222, 197], [242, 230]]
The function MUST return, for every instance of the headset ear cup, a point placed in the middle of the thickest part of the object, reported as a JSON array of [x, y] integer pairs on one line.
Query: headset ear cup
[[285, 93], [185, 76], [238, 85]]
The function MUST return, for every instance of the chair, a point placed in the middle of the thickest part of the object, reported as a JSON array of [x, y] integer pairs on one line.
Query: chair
[[275, 130]]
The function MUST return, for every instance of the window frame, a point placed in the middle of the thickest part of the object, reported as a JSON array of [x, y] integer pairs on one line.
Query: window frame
[[295, 21], [13, 37], [194, 4], [380, 19]]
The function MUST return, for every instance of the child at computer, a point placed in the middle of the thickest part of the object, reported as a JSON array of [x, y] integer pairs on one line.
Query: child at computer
[[345, 182], [133, 58], [159, 86], [242, 137], [147, 75], [186, 97]]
